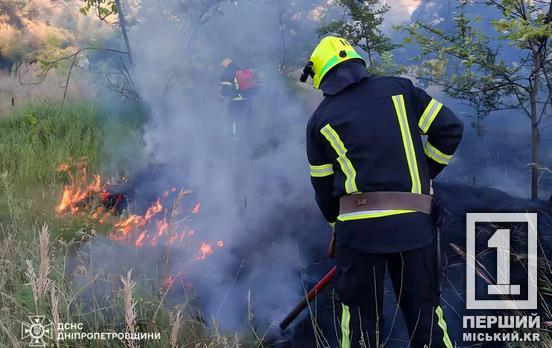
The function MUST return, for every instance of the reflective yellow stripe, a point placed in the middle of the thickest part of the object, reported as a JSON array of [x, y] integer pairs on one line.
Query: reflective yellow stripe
[[398, 101], [371, 214], [436, 155], [346, 166], [429, 115], [345, 334], [443, 325], [321, 170]]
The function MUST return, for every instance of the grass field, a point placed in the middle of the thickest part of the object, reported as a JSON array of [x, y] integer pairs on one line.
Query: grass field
[[35, 244]]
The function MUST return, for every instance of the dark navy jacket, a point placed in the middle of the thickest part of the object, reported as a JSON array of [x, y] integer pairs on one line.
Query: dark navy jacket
[[366, 136]]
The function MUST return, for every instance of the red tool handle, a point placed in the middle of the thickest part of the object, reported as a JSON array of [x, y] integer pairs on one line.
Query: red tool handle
[[307, 299]]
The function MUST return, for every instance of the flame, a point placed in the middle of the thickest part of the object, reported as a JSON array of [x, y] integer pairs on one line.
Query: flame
[[123, 229], [162, 226], [140, 239], [170, 279], [204, 251], [76, 194], [156, 225]]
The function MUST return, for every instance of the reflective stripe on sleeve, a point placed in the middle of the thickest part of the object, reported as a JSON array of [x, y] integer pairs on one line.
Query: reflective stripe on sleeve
[[321, 170], [346, 166], [436, 155], [226, 83], [429, 115], [398, 101]]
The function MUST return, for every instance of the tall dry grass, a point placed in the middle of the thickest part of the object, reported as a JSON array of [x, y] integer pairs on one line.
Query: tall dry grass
[[40, 282], [175, 329], [28, 85], [130, 311], [54, 303]]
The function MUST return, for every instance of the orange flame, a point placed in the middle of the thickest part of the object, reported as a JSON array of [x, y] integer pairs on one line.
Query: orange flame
[[204, 251], [140, 239], [139, 230], [75, 194], [123, 229]]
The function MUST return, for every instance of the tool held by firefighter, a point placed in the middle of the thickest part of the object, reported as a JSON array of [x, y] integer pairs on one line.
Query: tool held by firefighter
[[371, 172], [307, 299]]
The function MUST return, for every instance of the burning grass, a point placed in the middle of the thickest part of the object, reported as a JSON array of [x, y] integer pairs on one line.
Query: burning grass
[[37, 154], [162, 223], [35, 279]]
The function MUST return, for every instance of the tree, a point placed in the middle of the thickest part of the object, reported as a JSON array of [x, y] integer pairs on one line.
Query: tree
[[105, 8], [360, 26], [102, 8], [513, 74]]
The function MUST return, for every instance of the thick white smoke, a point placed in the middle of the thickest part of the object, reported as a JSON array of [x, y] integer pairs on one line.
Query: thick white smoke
[[247, 188]]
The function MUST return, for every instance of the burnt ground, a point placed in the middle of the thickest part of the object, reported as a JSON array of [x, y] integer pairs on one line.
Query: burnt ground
[[457, 200]]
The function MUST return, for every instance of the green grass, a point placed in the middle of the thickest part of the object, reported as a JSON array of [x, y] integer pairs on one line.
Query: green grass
[[36, 138]]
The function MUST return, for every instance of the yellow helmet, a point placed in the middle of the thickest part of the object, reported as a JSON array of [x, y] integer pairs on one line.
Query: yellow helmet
[[330, 52], [225, 62]]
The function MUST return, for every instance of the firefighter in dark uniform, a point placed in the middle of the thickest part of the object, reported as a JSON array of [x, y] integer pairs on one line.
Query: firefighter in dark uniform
[[372, 173], [238, 87]]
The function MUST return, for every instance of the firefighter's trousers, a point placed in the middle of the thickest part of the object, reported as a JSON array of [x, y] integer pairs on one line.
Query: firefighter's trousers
[[359, 284]]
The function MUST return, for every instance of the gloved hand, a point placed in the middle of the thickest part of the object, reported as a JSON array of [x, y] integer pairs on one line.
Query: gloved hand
[[331, 247], [438, 210]]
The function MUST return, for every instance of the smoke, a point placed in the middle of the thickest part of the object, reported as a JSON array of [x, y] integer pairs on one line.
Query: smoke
[[400, 11], [247, 184], [252, 187], [497, 154]]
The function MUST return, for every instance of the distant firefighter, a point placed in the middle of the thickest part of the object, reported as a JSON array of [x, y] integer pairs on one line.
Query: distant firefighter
[[372, 177], [238, 87]]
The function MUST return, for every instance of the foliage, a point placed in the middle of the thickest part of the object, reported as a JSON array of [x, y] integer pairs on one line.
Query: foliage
[[36, 30], [469, 66], [101, 8], [29, 39], [361, 27]]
